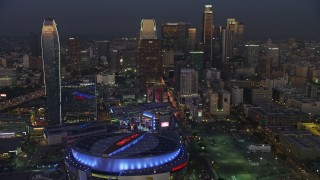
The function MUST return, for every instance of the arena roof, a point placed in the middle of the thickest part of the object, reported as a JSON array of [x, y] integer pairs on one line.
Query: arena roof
[[129, 153]]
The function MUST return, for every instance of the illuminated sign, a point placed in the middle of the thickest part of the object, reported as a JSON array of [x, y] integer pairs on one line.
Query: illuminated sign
[[127, 139], [3, 95], [179, 167], [164, 124]]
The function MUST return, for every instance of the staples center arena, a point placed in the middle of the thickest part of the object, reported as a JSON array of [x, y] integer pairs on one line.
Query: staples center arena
[[130, 156]]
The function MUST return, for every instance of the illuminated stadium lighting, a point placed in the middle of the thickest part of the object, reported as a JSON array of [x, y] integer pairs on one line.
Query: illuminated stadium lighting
[[138, 154]]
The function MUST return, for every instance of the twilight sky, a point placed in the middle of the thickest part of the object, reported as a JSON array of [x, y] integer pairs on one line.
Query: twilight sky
[[262, 18]]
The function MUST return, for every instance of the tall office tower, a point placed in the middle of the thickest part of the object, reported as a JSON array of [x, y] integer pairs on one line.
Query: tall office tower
[[251, 55], [269, 43], [35, 44], [192, 39], [102, 52], [179, 63], [51, 63], [232, 37], [207, 34], [227, 45], [174, 36], [237, 28], [264, 66], [167, 62], [150, 62], [73, 63], [188, 82], [148, 29], [274, 54], [197, 63]]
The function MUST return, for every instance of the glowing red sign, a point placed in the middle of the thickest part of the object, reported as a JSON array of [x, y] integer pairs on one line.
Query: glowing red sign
[[127, 139], [179, 167]]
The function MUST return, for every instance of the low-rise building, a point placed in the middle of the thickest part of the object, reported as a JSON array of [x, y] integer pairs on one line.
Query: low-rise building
[[277, 116], [313, 128], [308, 106], [261, 95], [259, 148], [302, 145], [67, 134]]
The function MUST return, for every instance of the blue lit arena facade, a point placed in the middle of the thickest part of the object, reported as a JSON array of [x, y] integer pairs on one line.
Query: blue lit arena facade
[[126, 156]]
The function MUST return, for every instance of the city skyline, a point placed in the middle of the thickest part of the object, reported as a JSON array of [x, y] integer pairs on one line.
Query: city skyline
[[98, 17], [159, 90]]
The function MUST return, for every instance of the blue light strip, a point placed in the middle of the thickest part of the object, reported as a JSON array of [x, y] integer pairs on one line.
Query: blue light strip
[[127, 146], [149, 115], [116, 165]]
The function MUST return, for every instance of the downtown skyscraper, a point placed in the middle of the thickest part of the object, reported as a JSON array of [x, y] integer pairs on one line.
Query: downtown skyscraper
[[149, 55], [207, 34], [51, 65], [232, 38], [174, 36]]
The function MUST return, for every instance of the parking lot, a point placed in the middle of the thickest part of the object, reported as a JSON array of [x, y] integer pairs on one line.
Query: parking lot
[[231, 159]]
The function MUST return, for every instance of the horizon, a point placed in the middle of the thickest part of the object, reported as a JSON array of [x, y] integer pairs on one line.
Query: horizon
[[97, 17]]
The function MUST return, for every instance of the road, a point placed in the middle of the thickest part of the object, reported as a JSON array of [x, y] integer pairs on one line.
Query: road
[[21, 99]]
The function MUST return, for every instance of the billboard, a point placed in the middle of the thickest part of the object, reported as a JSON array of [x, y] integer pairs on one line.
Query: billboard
[[164, 124], [165, 95], [149, 94], [158, 94]]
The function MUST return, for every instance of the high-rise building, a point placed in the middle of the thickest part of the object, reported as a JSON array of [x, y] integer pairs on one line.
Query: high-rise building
[[168, 63], [148, 29], [174, 36], [227, 45], [73, 63], [192, 39], [149, 55], [207, 34], [170, 33], [149, 62], [236, 96], [264, 66], [274, 54], [219, 103], [51, 63], [35, 44], [251, 55], [197, 63], [179, 63], [232, 37], [188, 82], [102, 52]]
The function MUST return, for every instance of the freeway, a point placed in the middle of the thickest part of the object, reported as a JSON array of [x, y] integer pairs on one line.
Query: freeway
[[21, 99]]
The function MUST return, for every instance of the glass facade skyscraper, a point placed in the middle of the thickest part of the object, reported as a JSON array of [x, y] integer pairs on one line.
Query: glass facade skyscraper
[[207, 34], [51, 65]]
